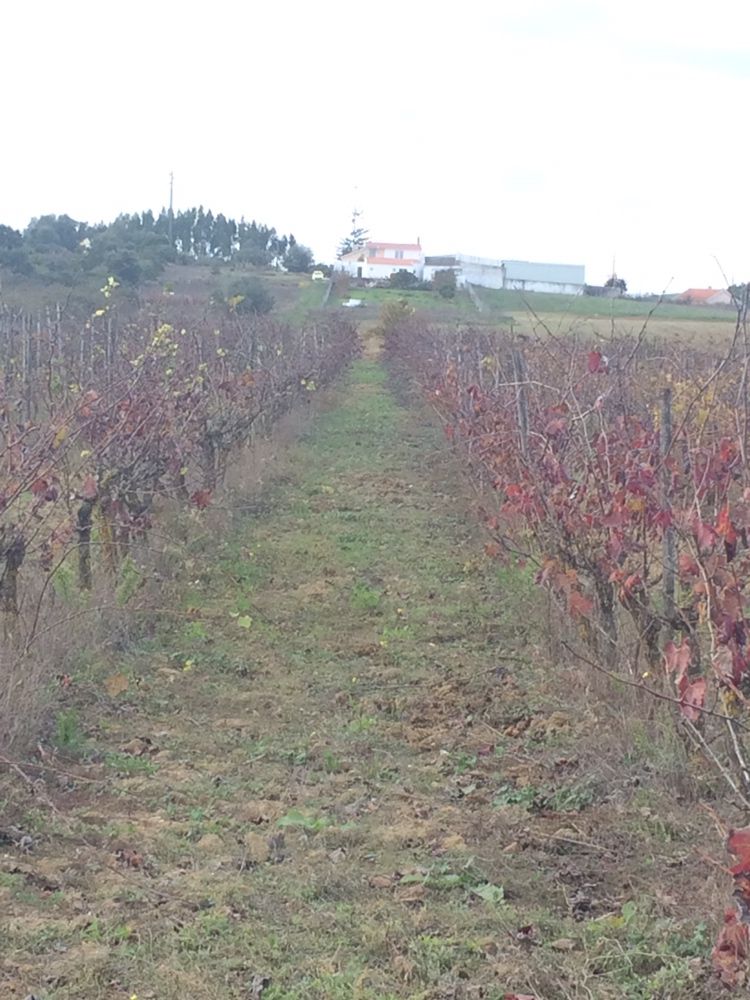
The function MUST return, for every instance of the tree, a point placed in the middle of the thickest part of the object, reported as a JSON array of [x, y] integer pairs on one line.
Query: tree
[[356, 238], [10, 239], [298, 258], [55, 231], [13, 254], [222, 238], [618, 283], [444, 283]]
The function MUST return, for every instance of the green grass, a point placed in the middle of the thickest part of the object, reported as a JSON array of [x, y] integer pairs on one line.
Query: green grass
[[459, 307]]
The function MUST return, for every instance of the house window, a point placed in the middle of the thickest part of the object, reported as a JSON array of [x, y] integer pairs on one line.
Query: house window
[[372, 252], [399, 255]]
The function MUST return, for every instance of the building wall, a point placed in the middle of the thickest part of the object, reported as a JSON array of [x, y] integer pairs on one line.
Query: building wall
[[560, 288], [556, 274], [567, 279], [489, 274], [377, 272], [392, 253]]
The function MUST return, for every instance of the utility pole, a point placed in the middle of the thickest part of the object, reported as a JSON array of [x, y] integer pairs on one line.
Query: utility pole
[[171, 203]]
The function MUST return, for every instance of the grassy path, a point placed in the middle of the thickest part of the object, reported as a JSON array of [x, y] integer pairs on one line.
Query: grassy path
[[343, 776]]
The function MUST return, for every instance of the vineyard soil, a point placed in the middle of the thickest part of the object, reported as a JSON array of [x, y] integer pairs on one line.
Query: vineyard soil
[[355, 767]]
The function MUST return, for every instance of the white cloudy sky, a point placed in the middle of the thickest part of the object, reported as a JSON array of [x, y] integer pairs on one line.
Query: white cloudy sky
[[561, 130]]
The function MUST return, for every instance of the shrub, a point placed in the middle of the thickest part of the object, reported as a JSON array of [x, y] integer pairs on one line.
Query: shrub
[[444, 283], [403, 279], [248, 295]]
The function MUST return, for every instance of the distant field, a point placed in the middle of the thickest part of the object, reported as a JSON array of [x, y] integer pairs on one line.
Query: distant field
[[583, 314], [500, 300], [533, 312]]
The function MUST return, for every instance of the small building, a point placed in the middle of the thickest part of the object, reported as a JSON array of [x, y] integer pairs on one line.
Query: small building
[[376, 260], [523, 275], [706, 297]]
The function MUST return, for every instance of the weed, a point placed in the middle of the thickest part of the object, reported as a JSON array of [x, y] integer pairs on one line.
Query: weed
[[362, 724], [493, 895], [204, 932], [331, 763], [98, 931], [304, 821], [391, 633], [68, 733], [256, 749], [128, 765], [572, 798], [446, 875], [364, 598], [644, 956], [432, 956], [295, 756], [526, 796], [195, 632], [65, 583], [461, 761], [130, 579]]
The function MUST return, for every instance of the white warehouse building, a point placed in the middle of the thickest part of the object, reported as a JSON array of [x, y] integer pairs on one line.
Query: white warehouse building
[[523, 275]]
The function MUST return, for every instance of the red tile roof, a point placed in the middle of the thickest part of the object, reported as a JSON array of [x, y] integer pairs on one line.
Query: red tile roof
[[377, 245], [700, 294]]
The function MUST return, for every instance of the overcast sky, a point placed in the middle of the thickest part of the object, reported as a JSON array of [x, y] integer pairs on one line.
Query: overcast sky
[[556, 130]]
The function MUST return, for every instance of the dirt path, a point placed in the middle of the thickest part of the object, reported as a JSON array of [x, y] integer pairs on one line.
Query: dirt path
[[346, 774]]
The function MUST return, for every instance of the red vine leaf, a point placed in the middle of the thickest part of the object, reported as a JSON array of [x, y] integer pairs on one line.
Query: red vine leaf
[[692, 697], [201, 499], [738, 844], [729, 954], [598, 363], [89, 490], [677, 659], [687, 566], [705, 535], [579, 605]]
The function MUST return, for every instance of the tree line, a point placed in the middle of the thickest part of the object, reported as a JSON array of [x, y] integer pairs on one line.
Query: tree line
[[136, 248]]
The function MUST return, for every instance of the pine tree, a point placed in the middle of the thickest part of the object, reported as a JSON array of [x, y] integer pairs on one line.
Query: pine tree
[[356, 238]]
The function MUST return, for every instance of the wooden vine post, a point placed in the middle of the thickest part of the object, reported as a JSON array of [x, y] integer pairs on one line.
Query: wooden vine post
[[522, 405], [669, 553]]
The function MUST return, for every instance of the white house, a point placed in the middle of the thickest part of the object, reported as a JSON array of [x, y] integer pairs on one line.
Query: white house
[[376, 260], [707, 297], [567, 279]]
